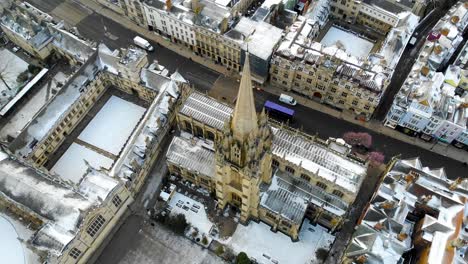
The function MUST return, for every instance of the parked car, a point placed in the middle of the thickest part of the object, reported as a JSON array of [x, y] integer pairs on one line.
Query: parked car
[[16, 49], [287, 99]]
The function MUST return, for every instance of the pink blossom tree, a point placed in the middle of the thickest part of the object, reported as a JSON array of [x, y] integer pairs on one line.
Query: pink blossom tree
[[358, 139], [376, 157]]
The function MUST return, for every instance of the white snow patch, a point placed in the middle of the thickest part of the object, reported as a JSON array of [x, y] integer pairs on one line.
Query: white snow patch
[[71, 166], [195, 216], [97, 185], [353, 44], [11, 250], [258, 241], [111, 127]]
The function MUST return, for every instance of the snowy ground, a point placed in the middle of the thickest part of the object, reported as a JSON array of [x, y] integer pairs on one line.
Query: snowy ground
[[71, 166], [353, 44], [11, 250], [10, 67], [21, 117], [193, 211], [267, 247], [111, 127]]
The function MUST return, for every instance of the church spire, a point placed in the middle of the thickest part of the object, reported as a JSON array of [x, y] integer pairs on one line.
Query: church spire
[[244, 120]]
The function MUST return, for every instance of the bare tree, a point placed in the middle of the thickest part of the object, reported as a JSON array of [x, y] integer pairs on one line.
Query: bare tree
[[4, 73]]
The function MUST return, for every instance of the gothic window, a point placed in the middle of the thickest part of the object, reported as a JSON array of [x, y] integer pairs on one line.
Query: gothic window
[[289, 169], [96, 225], [210, 135], [236, 198], [274, 163], [338, 193], [305, 177], [188, 126], [322, 185], [75, 253]]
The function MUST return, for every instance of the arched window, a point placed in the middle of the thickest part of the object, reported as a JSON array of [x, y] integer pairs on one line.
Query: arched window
[[274, 163], [289, 169], [322, 185], [338, 193], [305, 177]]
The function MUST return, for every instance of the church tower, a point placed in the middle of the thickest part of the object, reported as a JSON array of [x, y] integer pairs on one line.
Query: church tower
[[243, 153]]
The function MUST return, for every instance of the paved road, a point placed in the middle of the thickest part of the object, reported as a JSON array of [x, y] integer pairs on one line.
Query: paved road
[[311, 121], [101, 29]]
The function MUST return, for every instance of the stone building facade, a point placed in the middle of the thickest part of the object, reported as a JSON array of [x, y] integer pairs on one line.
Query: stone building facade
[[76, 220], [283, 166]]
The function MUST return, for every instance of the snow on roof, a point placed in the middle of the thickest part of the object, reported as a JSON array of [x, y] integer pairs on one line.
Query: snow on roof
[[319, 160], [60, 104], [71, 44], [262, 38], [52, 201], [57, 204], [407, 185], [149, 131], [97, 185], [192, 154], [206, 110]]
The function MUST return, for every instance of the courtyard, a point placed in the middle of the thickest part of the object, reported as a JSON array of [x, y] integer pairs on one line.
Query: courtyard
[[99, 138], [256, 239], [354, 44]]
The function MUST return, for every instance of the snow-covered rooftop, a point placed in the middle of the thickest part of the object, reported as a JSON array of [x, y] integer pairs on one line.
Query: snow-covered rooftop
[[206, 110], [330, 165], [289, 197], [260, 38], [193, 154], [327, 164], [50, 115], [386, 230], [56, 203], [150, 131]]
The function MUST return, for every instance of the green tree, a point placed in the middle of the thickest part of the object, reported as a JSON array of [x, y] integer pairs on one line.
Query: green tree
[[219, 250], [242, 258]]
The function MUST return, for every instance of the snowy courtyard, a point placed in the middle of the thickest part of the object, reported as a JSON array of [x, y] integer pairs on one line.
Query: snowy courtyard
[[10, 67], [194, 212], [111, 127], [267, 247], [352, 43], [71, 166]]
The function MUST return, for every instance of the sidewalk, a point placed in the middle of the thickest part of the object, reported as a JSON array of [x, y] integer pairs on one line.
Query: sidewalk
[[126, 22], [448, 151]]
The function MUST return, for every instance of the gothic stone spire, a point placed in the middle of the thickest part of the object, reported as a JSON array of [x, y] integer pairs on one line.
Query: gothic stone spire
[[245, 118]]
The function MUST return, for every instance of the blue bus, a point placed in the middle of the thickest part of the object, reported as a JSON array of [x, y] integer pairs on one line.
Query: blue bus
[[278, 111]]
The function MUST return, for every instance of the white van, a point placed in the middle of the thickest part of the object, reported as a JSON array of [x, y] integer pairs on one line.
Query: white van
[[143, 43], [287, 99]]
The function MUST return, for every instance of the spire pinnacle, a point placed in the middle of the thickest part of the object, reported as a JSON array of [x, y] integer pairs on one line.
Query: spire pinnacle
[[244, 118]]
